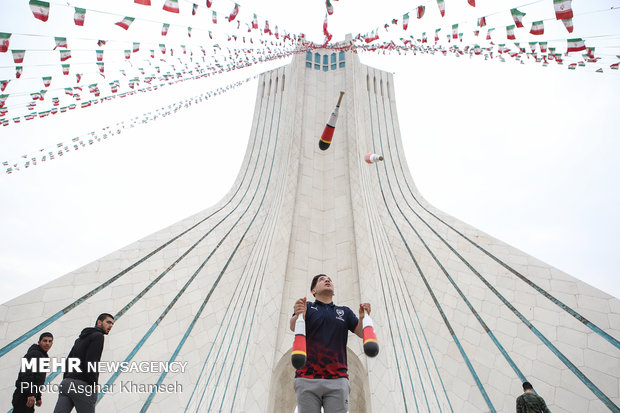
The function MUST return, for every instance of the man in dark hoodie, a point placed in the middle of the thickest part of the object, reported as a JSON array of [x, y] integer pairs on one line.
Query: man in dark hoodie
[[79, 389], [27, 385], [529, 402]]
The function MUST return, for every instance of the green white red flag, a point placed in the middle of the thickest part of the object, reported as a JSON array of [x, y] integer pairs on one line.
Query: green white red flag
[[194, 9], [517, 16], [510, 32], [136, 47], [47, 81], [64, 55], [162, 48], [126, 22], [79, 16], [127, 54], [472, 3], [214, 17], [442, 7], [543, 47], [538, 28], [563, 9], [172, 6], [234, 13], [455, 31], [65, 69], [489, 33], [482, 21], [40, 9], [255, 22], [60, 42], [421, 10], [533, 46], [4, 42], [209, 3], [568, 23], [18, 56], [100, 67], [575, 45], [189, 31], [405, 21], [99, 55], [143, 2], [164, 29], [4, 84], [329, 7]]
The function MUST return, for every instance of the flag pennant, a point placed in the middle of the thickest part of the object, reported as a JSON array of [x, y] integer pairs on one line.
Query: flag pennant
[[143, 2], [329, 7], [255, 22], [40, 9], [575, 45], [65, 69], [209, 3], [99, 55], [164, 29], [482, 21], [4, 84], [136, 47], [214, 17], [189, 31], [538, 28], [172, 6], [472, 3], [421, 10], [568, 23], [405, 21], [60, 42], [47, 81], [162, 48], [442, 7], [510, 32], [3, 100], [127, 54], [455, 29], [489, 33], [563, 9], [437, 34], [126, 22], [194, 9], [18, 56], [233, 13], [64, 55], [517, 16], [4, 42], [543, 47], [79, 16], [533, 46]]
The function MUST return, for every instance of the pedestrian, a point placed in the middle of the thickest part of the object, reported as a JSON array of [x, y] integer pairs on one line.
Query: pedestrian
[[529, 402], [79, 388], [324, 381], [29, 381]]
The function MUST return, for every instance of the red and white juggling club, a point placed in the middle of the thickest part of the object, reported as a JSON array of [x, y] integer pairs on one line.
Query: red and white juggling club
[[298, 355], [371, 346], [373, 157], [328, 132]]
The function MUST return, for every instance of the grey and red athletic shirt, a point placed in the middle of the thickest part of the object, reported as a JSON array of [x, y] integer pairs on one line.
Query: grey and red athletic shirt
[[327, 330]]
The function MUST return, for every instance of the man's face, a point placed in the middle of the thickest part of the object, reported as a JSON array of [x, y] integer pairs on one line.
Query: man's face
[[46, 343], [106, 325], [324, 283]]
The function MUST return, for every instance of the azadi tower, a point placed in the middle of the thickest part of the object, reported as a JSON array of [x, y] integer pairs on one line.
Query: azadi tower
[[462, 318]]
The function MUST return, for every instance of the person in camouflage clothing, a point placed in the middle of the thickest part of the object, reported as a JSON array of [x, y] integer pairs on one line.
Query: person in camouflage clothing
[[529, 402]]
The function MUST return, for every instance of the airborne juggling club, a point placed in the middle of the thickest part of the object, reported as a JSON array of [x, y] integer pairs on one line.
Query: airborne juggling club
[[328, 132], [298, 354]]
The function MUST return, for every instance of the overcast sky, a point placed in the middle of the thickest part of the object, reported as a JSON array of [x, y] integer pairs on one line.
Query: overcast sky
[[528, 154]]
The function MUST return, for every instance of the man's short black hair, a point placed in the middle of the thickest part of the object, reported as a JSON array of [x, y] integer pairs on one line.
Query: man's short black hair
[[102, 317], [315, 280], [527, 386], [46, 334]]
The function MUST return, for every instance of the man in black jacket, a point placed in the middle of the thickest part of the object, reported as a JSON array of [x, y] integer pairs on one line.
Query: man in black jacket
[[27, 386], [79, 389]]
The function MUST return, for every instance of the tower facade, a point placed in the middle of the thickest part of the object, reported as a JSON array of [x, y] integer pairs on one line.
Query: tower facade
[[462, 318]]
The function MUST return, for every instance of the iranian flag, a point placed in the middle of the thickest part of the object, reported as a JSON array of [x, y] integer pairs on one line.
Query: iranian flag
[[60, 42], [69, 91], [4, 42], [476, 33], [172, 6], [533, 46], [572, 66], [233, 13], [614, 66], [209, 3], [266, 29], [421, 10], [255, 22], [126, 22], [543, 47], [538, 28], [143, 2], [47, 81], [3, 100], [563, 9], [101, 68], [405, 21], [65, 69], [510, 32], [424, 38], [164, 29], [329, 7], [99, 55], [575, 45], [599, 70], [472, 3], [113, 87], [455, 30], [214, 17], [189, 31], [568, 23], [79, 16], [442, 7], [162, 48], [136, 47], [194, 9], [3, 84], [437, 34], [489, 33], [64, 55], [40, 9], [517, 16], [18, 56]]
